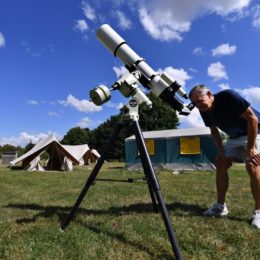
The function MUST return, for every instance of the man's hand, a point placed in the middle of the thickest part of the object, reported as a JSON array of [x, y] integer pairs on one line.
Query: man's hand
[[253, 157]]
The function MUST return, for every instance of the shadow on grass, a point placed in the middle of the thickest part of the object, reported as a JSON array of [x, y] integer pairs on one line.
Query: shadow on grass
[[15, 168], [129, 180], [117, 167], [110, 180], [177, 209]]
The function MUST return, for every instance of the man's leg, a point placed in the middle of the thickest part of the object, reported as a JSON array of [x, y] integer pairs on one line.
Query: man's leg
[[219, 208], [254, 173], [222, 180]]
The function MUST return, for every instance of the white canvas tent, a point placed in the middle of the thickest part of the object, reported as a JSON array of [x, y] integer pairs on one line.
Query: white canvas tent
[[59, 157], [83, 153], [78, 151], [94, 155], [35, 165]]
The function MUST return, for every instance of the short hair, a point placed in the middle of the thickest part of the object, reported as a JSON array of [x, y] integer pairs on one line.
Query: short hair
[[198, 87]]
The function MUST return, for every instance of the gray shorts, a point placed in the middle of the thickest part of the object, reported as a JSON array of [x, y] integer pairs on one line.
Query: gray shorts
[[237, 147]]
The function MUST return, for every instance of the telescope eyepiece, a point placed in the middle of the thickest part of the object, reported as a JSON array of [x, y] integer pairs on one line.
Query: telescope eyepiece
[[168, 96]]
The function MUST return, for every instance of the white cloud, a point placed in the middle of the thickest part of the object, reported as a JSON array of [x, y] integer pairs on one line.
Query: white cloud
[[193, 70], [54, 114], [115, 105], [177, 74], [81, 25], [217, 71], [252, 95], [89, 12], [2, 40], [124, 22], [26, 45], [24, 138], [198, 51], [224, 8], [36, 54], [224, 49], [120, 71], [256, 16], [81, 105], [192, 120], [168, 21], [32, 102], [224, 86], [30, 50], [84, 122], [162, 29], [253, 12]]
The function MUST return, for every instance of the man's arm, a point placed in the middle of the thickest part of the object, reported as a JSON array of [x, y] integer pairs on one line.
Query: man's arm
[[217, 138], [252, 130]]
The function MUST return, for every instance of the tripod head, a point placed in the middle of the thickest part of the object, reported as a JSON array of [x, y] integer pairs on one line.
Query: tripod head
[[127, 85]]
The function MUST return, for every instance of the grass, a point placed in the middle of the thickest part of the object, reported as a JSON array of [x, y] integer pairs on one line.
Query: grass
[[116, 218]]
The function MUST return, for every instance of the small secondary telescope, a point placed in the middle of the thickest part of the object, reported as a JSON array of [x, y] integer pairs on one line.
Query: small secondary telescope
[[162, 85]]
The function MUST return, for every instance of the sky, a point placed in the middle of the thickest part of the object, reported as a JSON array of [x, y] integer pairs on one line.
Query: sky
[[50, 57]]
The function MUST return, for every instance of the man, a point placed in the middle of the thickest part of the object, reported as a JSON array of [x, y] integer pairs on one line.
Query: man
[[231, 113]]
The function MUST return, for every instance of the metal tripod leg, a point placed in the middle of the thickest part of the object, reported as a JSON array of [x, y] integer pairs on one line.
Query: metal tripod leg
[[93, 175], [156, 188], [148, 180]]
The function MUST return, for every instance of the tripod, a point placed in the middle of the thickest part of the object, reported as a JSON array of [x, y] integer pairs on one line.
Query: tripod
[[153, 184]]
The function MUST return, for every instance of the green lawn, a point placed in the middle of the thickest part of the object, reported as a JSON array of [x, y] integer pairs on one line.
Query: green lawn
[[116, 218]]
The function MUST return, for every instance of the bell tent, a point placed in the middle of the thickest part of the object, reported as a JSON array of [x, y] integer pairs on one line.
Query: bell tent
[[59, 157], [83, 153]]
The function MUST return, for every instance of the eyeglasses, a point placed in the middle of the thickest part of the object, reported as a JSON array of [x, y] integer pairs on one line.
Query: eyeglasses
[[198, 94]]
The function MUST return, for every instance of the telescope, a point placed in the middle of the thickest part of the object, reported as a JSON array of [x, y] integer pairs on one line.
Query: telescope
[[162, 85]]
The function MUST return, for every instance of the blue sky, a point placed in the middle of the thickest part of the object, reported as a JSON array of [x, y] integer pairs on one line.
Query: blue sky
[[50, 57]]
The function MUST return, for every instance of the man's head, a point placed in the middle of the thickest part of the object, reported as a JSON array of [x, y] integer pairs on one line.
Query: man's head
[[201, 97]]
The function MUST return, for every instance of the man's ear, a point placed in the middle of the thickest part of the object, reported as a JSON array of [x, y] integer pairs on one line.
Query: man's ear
[[209, 93]]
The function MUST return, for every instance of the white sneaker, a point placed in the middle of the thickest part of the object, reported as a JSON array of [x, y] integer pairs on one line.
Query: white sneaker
[[256, 219], [217, 210]]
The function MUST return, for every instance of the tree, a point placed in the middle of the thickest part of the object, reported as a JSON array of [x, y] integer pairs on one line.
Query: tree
[[20, 150], [76, 136], [160, 117], [101, 135], [28, 147], [8, 147]]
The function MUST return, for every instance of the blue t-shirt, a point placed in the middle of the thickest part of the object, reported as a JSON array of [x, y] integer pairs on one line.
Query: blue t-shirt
[[226, 114]]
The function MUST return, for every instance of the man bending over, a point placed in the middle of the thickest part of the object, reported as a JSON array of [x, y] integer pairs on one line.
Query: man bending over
[[231, 113]]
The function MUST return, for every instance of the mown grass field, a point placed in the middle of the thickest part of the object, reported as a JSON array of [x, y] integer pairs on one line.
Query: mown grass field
[[116, 218]]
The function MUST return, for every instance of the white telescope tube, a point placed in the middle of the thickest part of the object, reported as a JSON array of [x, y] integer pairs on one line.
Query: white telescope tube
[[117, 45], [167, 78]]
